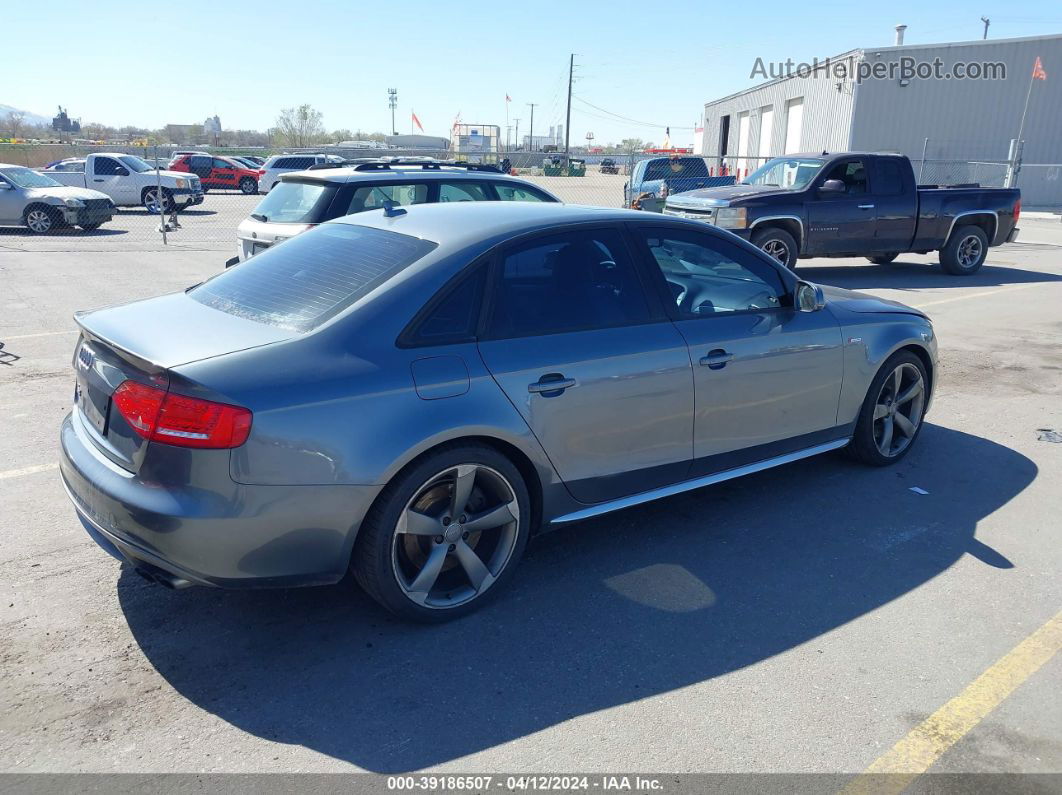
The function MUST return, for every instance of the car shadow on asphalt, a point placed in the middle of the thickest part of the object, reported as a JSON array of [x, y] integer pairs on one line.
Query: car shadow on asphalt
[[22, 233], [900, 275], [613, 610]]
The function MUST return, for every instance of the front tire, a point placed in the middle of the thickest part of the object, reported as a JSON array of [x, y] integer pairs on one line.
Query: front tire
[[892, 412], [41, 220], [965, 251], [777, 243], [248, 186], [151, 202], [445, 535]]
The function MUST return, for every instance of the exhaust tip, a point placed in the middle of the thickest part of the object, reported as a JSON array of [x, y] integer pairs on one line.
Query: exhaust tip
[[163, 578]]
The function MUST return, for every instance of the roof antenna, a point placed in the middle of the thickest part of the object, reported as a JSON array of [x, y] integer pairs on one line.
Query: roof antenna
[[392, 210]]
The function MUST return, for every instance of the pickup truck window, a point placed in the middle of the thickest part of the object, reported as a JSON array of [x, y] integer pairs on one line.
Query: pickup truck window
[[105, 167], [785, 172], [135, 164], [852, 174], [890, 178], [26, 178], [680, 167]]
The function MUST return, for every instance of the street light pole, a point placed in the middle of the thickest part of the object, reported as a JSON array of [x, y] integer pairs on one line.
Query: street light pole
[[392, 100], [531, 135]]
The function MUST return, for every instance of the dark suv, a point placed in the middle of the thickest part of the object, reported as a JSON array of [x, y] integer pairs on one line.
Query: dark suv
[[304, 199]]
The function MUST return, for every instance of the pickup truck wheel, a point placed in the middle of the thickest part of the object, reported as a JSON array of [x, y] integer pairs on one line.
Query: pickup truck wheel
[[151, 202], [248, 186], [965, 251], [777, 243], [883, 259], [41, 220]]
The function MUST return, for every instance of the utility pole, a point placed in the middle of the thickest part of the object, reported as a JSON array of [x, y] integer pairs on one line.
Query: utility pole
[[531, 135], [517, 136], [568, 116], [392, 100], [987, 21]]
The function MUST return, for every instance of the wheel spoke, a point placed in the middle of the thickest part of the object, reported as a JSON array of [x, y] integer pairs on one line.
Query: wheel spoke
[[478, 574], [881, 411], [486, 520], [419, 524], [897, 377], [464, 479], [909, 394], [886, 437], [907, 428], [430, 573]]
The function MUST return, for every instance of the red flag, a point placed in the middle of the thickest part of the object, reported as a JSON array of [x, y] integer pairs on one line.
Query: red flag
[[1038, 70], [416, 121], [508, 98]]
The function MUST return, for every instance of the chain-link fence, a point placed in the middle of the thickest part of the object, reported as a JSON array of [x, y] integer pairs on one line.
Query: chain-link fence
[[209, 220]]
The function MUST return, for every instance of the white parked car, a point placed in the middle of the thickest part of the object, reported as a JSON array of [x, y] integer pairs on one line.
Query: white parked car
[[285, 164], [129, 181], [38, 202]]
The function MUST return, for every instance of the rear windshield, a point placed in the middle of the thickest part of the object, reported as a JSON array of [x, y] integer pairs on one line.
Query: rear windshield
[[684, 167], [310, 278], [294, 203]]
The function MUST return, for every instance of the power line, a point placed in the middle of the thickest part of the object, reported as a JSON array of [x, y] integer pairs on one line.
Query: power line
[[629, 119]]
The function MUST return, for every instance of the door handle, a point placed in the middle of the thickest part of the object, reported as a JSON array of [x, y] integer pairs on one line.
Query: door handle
[[97, 180], [716, 359], [551, 384], [866, 206]]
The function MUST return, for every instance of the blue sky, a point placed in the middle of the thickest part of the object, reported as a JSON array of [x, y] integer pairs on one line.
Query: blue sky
[[654, 63]]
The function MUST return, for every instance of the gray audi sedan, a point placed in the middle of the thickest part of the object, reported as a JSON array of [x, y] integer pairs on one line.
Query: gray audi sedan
[[411, 393]]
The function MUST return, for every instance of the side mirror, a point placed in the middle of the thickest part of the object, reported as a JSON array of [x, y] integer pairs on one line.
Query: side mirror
[[122, 172], [5, 186], [809, 297], [832, 186]]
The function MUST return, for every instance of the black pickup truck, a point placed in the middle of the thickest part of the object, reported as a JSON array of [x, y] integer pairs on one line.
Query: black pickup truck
[[856, 204]]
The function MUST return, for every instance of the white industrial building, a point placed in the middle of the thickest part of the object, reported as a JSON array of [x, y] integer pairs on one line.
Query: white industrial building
[[857, 101]]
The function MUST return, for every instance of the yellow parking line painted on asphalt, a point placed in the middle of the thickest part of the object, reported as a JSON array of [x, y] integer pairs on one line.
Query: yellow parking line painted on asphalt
[[15, 473], [912, 756], [977, 295]]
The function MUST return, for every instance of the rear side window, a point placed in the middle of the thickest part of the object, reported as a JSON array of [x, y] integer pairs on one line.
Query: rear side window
[[295, 203], [462, 192], [198, 162], [373, 197], [454, 317], [571, 282], [513, 193], [890, 178], [284, 162], [311, 277]]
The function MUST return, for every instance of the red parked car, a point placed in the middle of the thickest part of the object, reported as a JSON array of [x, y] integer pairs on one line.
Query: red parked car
[[219, 172]]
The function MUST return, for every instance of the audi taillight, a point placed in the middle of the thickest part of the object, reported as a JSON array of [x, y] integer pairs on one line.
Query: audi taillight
[[1017, 210], [161, 416]]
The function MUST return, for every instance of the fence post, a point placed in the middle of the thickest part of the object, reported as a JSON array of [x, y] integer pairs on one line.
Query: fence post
[[1013, 162], [922, 167], [158, 196]]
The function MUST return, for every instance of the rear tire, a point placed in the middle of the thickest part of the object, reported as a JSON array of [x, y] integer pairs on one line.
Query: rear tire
[[892, 413], [248, 186], [965, 251], [419, 551], [883, 259], [777, 243]]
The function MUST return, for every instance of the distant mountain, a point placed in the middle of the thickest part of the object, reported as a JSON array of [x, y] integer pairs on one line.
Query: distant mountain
[[31, 118]]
